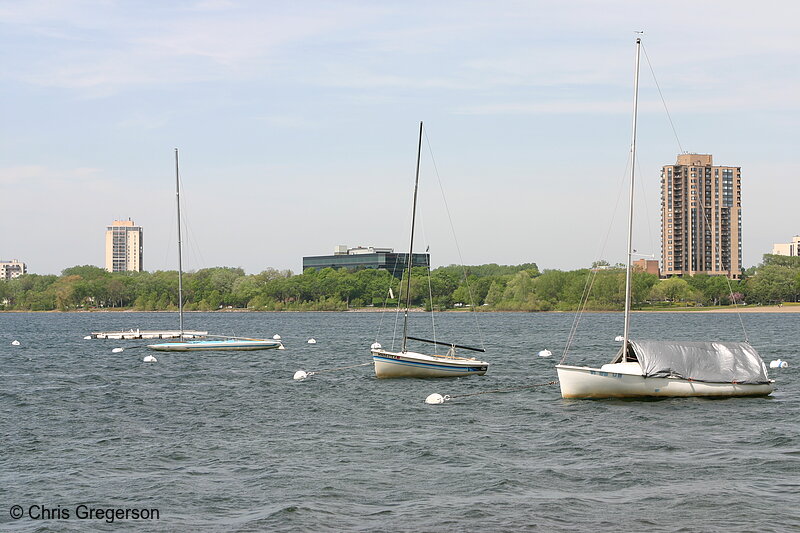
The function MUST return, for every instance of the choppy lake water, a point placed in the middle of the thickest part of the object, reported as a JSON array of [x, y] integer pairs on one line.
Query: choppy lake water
[[230, 442]]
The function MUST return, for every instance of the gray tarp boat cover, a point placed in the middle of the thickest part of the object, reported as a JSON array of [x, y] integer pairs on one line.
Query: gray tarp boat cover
[[721, 362]]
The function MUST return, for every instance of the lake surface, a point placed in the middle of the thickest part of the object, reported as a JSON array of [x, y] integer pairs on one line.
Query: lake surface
[[230, 442]]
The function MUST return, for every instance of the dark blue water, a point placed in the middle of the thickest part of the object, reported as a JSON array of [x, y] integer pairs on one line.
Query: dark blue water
[[230, 442]]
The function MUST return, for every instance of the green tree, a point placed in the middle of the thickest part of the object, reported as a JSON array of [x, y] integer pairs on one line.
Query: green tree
[[495, 294], [519, 288], [773, 283], [550, 285], [641, 285], [608, 290], [64, 290], [791, 262], [673, 289], [244, 289], [87, 272]]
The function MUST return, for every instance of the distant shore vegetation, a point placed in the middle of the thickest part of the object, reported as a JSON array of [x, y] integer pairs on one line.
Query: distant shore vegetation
[[489, 287]]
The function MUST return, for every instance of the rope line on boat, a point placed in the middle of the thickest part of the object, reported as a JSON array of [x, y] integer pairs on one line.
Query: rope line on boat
[[430, 285], [730, 286], [300, 374], [125, 349], [339, 368], [592, 276], [663, 101], [455, 241], [389, 293], [438, 398]]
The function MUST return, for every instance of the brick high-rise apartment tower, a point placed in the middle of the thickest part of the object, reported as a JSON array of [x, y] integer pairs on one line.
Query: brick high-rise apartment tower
[[701, 218]]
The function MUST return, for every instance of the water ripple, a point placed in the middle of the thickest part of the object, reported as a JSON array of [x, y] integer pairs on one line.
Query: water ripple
[[232, 443]]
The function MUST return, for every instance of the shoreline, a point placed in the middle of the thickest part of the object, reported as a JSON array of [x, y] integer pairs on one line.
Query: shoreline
[[753, 309], [785, 309]]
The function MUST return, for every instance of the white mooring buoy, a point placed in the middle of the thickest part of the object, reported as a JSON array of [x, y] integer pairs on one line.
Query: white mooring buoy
[[545, 353], [436, 398], [87, 337], [15, 343], [312, 341], [300, 374], [276, 337], [376, 346], [117, 350], [619, 338], [150, 359]]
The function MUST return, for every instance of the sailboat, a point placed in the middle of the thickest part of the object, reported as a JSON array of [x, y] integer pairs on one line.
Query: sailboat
[[221, 342], [408, 364], [648, 368]]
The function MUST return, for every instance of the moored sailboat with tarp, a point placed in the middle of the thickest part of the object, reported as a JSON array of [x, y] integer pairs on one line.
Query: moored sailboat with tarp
[[647, 368]]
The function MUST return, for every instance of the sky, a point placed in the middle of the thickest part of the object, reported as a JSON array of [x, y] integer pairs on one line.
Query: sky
[[297, 122]]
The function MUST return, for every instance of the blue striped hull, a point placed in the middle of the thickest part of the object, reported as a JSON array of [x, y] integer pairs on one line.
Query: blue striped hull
[[413, 365], [213, 346]]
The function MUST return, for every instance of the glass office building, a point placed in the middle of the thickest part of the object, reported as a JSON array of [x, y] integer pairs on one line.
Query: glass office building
[[371, 257]]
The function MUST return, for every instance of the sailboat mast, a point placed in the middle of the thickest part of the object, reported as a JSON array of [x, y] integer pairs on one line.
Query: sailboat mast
[[411, 245], [626, 331], [180, 260]]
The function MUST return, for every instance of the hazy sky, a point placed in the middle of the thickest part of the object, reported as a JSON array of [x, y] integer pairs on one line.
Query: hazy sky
[[297, 125]]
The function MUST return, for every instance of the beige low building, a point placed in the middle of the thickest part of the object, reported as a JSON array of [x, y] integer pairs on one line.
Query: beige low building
[[124, 245], [792, 249], [701, 218], [12, 269]]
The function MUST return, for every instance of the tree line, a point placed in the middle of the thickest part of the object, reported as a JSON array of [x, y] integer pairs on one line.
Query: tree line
[[487, 287]]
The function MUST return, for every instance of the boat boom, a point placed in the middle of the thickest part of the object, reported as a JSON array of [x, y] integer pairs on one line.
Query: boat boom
[[448, 344]]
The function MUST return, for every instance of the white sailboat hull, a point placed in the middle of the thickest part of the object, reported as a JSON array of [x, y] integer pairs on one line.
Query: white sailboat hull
[[416, 365], [718, 363], [586, 382], [215, 345]]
